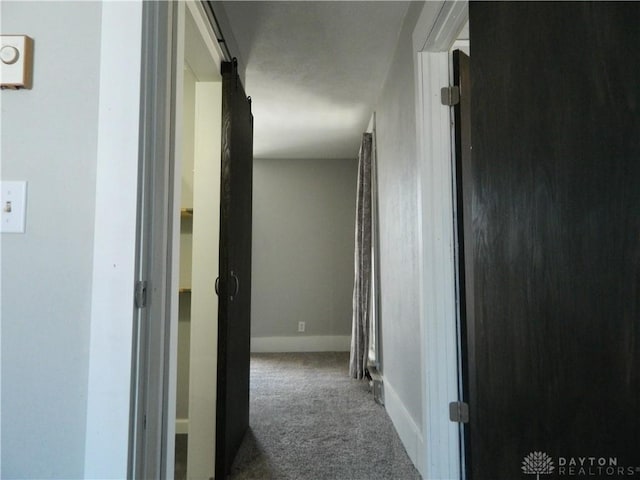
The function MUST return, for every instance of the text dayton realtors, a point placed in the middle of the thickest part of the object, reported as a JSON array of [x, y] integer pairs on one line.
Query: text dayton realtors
[[593, 466]]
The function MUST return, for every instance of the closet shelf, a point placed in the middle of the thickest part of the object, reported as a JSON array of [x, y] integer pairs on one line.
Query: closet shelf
[[185, 290], [186, 212]]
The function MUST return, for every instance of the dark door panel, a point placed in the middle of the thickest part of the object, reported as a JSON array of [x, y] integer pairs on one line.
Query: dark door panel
[[555, 237], [234, 311]]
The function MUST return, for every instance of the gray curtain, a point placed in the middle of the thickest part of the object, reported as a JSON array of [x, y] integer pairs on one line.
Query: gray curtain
[[362, 278]]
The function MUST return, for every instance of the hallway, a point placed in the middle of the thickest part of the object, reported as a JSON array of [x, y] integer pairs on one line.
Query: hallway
[[309, 420]]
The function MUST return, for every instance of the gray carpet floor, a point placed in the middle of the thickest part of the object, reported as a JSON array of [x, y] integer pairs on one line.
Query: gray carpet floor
[[310, 421]]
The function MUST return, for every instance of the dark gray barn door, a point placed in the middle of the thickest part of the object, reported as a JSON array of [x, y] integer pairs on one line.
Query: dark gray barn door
[[555, 237], [234, 289]]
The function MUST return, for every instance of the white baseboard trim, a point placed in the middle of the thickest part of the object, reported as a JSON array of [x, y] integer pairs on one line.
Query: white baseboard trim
[[319, 343], [408, 431], [182, 425]]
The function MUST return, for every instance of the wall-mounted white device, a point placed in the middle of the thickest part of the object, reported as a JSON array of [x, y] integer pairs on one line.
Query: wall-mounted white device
[[16, 61]]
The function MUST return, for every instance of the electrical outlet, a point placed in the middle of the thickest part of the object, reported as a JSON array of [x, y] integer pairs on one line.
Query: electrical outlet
[[301, 326]]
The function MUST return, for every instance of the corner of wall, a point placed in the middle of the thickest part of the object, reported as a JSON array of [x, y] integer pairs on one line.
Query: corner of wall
[[399, 225], [110, 350]]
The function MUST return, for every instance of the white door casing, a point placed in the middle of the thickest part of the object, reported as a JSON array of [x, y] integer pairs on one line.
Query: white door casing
[[435, 32]]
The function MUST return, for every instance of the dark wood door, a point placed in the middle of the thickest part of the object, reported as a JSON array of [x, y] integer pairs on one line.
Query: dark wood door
[[234, 311], [462, 116], [555, 235]]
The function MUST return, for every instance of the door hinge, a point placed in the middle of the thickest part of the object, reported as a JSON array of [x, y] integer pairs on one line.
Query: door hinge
[[450, 96], [141, 294], [459, 412]]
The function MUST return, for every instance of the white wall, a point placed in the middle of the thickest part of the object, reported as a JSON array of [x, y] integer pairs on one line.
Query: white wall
[[399, 244], [303, 234], [49, 138], [67, 290]]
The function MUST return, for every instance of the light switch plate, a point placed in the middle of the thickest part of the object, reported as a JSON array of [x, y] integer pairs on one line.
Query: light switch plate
[[13, 206]]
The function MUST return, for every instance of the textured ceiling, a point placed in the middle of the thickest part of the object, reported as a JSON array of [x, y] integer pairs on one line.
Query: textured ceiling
[[314, 71]]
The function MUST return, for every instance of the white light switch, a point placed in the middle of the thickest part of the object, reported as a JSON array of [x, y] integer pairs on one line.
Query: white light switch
[[16, 61], [13, 206]]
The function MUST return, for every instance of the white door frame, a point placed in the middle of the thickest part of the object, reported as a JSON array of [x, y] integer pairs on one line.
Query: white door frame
[[192, 28], [435, 32], [114, 259], [204, 57], [147, 446], [185, 13], [154, 360]]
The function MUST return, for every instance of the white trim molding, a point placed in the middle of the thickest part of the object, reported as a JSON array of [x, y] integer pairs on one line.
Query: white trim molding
[[438, 27], [307, 343], [114, 259], [442, 450], [408, 431]]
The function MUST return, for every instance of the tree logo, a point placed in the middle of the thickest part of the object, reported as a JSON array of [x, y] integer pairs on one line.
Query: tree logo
[[538, 463]]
